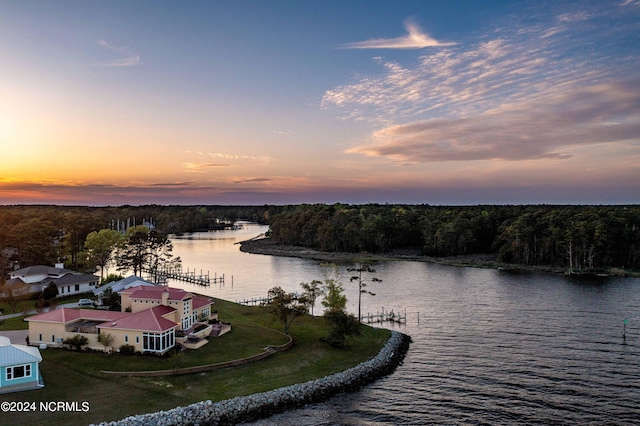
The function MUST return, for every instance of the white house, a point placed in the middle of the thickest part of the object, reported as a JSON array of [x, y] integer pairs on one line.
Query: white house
[[116, 286], [69, 282], [19, 368]]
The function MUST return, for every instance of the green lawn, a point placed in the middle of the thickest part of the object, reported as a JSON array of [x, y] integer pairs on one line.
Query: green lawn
[[77, 377], [17, 323], [30, 304]]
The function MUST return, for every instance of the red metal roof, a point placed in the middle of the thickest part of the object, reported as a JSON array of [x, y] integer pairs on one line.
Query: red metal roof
[[148, 320], [198, 302], [155, 293], [66, 315]]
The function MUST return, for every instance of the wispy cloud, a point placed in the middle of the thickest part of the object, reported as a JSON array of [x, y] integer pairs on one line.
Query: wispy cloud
[[227, 156], [253, 180], [522, 92], [202, 167], [415, 39], [125, 58], [173, 184], [544, 128]]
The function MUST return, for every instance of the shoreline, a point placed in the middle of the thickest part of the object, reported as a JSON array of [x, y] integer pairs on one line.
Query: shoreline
[[265, 246], [252, 407]]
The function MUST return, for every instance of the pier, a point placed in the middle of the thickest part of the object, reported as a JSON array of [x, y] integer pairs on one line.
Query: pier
[[254, 301], [188, 276], [389, 316]]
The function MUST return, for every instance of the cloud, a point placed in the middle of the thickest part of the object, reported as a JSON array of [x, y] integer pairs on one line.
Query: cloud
[[521, 92], [201, 167], [415, 39], [253, 180], [173, 184], [125, 57], [540, 129]]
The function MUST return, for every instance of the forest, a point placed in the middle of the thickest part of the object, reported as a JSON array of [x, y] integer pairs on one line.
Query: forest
[[578, 238], [46, 234]]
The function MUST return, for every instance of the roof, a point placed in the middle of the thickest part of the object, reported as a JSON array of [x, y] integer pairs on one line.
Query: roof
[[148, 320], [71, 279], [198, 302], [17, 354], [41, 269], [116, 286], [66, 315], [155, 293]]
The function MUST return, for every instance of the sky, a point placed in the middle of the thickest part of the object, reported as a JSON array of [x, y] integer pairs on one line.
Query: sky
[[454, 102]]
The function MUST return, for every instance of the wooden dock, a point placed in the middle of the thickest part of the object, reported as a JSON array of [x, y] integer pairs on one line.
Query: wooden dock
[[188, 276], [388, 316], [255, 301]]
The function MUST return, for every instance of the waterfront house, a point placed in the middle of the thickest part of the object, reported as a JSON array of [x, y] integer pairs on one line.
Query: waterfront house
[[19, 367], [150, 319], [68, 282]]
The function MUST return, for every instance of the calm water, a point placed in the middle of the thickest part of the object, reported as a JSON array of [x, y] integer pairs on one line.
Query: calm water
[[489, 347]]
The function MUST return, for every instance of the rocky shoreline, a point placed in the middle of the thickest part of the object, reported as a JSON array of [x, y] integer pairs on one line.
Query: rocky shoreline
[[260, 405], [267, 247]]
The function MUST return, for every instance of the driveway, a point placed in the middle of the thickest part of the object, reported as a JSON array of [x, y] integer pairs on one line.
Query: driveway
[[17, 337]]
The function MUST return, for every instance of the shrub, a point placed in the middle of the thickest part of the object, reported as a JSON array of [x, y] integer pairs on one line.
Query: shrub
[[50, 292], [76, 341], [127, 349]]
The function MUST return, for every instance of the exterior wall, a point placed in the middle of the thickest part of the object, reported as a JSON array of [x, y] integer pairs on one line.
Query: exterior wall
[[204, 313], [138, 305], [29, 279], [47, 329], [31, 379], [119, 339], [134, 337], [125, 302], [67, 290], [172, 316]]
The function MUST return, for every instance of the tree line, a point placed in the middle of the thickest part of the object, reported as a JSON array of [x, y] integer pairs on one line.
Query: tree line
[[575, 237], [46, 234]]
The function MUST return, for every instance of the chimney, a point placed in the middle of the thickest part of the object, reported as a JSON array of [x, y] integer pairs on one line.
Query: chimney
[[165, 298]]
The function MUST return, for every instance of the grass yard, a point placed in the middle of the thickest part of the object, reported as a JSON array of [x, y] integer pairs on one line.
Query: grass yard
[[17, 323], [76, 377]]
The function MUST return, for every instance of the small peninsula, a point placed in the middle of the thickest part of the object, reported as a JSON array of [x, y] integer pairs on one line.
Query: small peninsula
[[267, 246]]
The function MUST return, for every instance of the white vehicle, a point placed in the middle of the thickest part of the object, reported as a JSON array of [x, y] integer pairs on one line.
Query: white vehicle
[[85, 302]]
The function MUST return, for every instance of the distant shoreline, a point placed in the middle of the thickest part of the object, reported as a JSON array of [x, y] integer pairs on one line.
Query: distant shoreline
[[489, 261]]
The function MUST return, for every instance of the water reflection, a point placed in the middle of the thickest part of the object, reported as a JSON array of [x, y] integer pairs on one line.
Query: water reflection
[[490, 347]]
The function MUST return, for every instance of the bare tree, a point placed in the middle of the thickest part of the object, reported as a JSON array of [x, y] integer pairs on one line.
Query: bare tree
[[362, 285]]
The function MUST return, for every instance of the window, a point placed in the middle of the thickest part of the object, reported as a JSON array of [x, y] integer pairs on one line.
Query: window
[[40, 337], [53, 338], [18, 371], [137, 339], [126, 338], [77, 287], [158, 342]]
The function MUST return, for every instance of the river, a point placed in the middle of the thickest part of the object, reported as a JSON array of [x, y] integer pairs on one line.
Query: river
[[489, 347]]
